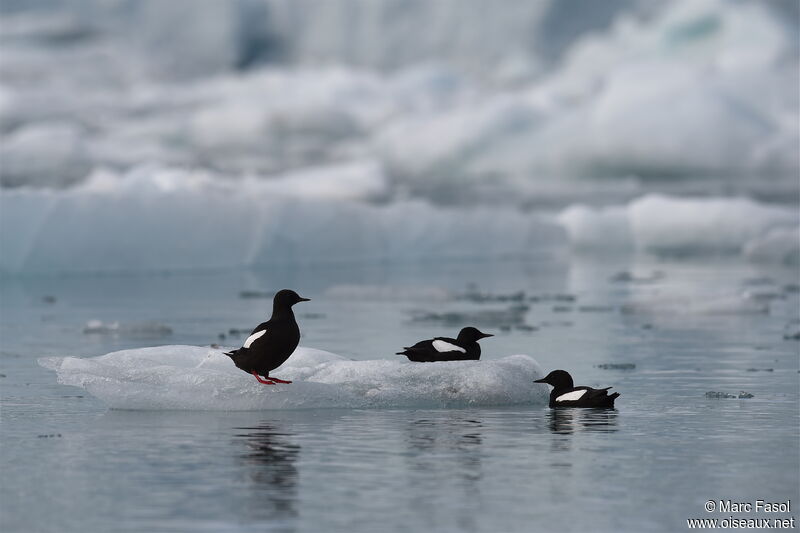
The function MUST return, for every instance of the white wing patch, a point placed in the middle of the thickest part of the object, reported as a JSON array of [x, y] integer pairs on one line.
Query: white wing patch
[[571, 396], [442, 346], [253, 338]]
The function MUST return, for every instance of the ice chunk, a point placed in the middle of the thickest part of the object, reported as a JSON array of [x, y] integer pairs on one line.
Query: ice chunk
[[685, 225], [357, 180], [692, 89], [677, 94], [778, 245], [133, 329], [590, 228], [44, 153], [717, 395], [715, 224], [682, 305], [201, 378]]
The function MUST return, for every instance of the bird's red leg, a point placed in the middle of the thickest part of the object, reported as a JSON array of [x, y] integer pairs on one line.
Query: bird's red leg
[[261, 380], [276, 380]]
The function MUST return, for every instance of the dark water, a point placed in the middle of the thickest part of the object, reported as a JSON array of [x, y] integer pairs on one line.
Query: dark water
[[69, 464]]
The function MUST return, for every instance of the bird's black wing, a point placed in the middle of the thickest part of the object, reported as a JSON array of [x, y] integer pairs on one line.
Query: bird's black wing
[[420, 347], [259, 327], [599, 397]]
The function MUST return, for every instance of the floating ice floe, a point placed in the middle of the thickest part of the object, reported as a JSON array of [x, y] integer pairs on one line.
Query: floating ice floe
[[778, 245], [201, 378], [660, 223], [683, 305]]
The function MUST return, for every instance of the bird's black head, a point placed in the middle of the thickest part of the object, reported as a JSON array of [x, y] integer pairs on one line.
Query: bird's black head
[[470, 334], [287, 298], [559, 379]]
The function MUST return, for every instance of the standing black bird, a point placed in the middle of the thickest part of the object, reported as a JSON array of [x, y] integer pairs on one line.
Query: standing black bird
[[271, 342], [565, 394], [464, 348]]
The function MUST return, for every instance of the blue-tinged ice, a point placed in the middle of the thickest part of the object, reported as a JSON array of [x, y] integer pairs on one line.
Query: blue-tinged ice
[[202, 378], [660, 223]]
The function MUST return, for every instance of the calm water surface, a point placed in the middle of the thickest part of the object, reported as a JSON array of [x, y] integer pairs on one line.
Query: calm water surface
[[70, 464]]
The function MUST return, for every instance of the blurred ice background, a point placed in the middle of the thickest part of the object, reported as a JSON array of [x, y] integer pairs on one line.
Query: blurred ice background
[[200, 134]]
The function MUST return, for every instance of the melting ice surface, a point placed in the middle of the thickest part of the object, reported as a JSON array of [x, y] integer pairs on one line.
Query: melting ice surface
[[197, 378]]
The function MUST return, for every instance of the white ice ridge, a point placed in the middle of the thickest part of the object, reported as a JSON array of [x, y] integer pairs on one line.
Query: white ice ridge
[[163, 218], [202, 378], [688, 225]]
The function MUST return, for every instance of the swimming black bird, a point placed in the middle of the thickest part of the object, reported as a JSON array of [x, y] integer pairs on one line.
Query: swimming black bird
[[565, 394], [464, 348], [272, 342]]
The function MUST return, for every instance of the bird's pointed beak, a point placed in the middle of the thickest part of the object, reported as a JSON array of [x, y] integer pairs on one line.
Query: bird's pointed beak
[[304, 299], [484, 335], [539, 380]]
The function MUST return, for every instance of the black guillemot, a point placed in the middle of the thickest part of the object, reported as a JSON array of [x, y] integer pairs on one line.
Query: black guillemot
[[271, 342], [464, 348], [565, 394]]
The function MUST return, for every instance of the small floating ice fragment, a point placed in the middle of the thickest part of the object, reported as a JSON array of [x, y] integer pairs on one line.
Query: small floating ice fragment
[[97, 326], [136, 329], [791, 331], [742, 395]]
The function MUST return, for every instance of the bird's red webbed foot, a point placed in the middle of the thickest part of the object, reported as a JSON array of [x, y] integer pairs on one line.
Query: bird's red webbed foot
[[276, 380], [265, 382]]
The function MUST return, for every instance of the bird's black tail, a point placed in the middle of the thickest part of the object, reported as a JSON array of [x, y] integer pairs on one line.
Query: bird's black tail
[[610, 400]]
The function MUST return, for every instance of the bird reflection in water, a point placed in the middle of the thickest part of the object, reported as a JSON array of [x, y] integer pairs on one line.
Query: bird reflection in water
[[447, 449], [457, 437], [564, 422], [269, 460]]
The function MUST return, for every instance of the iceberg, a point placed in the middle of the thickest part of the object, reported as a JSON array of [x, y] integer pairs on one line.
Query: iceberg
[[116, 160], [202, 378], [666, 224], [162, 218], [692, 90], [778, 245]]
